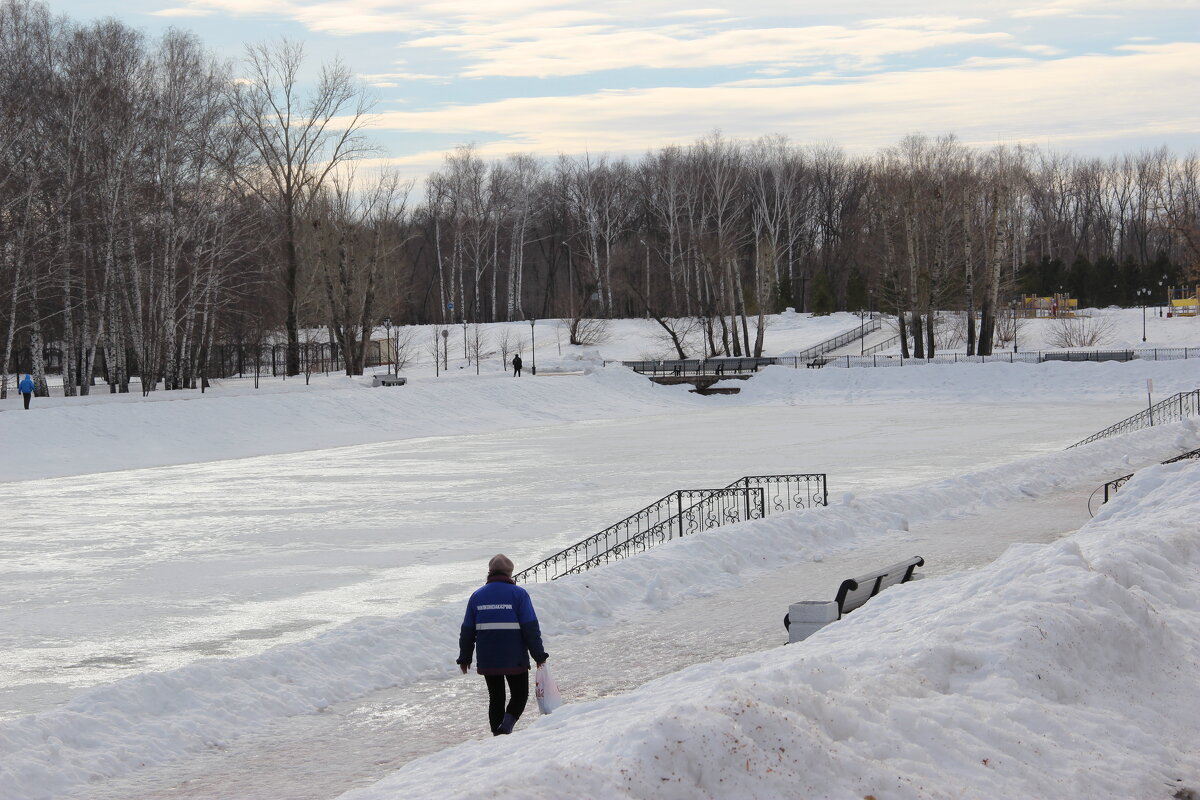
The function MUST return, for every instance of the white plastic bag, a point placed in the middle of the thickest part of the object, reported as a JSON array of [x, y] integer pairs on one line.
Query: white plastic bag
[[546, 689]]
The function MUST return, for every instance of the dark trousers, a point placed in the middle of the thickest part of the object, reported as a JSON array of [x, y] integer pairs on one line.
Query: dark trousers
[[518, 687], [516, 372], [27, 395]]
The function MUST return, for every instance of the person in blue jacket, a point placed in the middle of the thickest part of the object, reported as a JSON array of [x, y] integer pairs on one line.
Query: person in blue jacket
[[500, 623], [25, 387]]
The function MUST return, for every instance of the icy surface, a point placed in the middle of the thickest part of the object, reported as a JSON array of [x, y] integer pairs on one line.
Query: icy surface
[[274, 614]]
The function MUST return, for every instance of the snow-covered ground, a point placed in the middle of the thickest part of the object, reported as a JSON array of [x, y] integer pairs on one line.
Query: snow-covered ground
[[255, 593]]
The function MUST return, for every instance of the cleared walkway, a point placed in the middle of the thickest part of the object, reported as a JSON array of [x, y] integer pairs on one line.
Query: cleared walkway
[[355, 744]]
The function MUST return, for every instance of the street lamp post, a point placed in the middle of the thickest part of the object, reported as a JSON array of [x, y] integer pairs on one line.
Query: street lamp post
[[1143, 295], [387, 326], [445, 349], [862, 330], [532, 347]]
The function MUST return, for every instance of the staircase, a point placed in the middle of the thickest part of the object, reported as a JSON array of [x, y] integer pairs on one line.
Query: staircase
[[682, 513]]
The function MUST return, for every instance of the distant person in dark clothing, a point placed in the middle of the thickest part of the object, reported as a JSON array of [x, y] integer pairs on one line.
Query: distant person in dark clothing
[[25, 387], [501, 623], [517, 365]]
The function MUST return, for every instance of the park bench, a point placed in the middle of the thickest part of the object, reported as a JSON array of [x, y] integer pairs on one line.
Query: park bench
[[819, 361], [389, 380], [806, 618]]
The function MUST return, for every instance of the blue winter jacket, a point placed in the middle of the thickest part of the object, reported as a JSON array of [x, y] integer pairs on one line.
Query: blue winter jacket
[[25, 386], [501, 622]]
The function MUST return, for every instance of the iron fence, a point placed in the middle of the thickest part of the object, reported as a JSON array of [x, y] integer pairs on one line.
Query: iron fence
[[873, 357], [219, 361]]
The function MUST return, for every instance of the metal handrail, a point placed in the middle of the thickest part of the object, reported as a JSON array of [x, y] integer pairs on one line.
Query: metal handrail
[[839, 340], [674, 528], [631, 526], [778, 493], [1176, 407], [1112, 486], [884, 345]]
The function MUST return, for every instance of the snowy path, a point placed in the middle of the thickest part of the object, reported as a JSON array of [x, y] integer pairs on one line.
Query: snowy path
[[350, 745]]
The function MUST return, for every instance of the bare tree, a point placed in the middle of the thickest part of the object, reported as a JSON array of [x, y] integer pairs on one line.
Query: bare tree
[[354, 230], [300, 139]]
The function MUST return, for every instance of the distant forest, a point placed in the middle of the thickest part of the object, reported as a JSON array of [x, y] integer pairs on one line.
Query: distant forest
[[157, 202]]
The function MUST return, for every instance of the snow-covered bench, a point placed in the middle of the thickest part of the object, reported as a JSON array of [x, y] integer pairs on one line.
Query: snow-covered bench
[[389, 380], [806, 618], [818, 362]]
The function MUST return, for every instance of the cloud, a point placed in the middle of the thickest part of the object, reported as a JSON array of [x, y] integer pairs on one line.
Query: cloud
[[181, 12], [392, 79], [1013, 101], [499, 52]]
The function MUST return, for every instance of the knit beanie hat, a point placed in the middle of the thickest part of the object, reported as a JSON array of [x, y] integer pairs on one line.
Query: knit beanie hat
[[500, 565]]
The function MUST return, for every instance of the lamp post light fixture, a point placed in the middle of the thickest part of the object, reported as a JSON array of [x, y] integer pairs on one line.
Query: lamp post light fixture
[[1143, 295], [387, 326], [532, 347]]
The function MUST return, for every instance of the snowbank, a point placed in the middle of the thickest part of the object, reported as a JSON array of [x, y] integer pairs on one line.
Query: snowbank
[[1062, 670], [66, 437], [72, 436], [156, 717]]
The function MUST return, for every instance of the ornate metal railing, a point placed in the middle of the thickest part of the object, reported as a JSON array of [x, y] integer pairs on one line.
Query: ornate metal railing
[[682, 513], [787, 492], [1112, 486], [1174, 408], [719, 507], [656, 514]]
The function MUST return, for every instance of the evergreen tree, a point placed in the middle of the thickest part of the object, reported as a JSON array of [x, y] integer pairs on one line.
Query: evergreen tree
[[783, 294], [1081, 282], [856, 291], [822, 295]]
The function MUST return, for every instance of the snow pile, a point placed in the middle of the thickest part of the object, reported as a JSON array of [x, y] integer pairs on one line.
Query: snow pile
[[1055, 381], [156, 717], [71, 436], [1062, 670], [74, 436]]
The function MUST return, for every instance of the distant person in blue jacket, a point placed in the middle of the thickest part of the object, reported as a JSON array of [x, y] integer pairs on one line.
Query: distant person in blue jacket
[[25, 387], [501, 624]]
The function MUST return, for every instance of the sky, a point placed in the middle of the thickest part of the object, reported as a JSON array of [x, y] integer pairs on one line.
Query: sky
[[622, 77]]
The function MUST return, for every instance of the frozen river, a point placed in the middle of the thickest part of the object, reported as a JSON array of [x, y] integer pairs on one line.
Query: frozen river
[[111, 574]]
